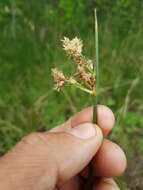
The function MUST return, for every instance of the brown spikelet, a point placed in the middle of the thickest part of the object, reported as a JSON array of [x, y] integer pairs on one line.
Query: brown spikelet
[[59, 78]]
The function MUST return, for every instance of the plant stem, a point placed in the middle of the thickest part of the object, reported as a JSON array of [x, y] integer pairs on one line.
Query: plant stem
[[90, 178], [96, 70]]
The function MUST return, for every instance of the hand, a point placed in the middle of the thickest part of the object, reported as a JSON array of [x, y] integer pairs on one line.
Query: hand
[[58, 159]]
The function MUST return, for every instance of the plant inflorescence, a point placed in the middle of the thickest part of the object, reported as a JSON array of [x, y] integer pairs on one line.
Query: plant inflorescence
[[84, 77]]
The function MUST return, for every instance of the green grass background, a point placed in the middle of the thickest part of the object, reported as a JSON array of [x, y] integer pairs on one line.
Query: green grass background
[[30, 34]]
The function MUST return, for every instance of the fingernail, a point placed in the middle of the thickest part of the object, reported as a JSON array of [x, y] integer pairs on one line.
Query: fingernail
[[83, 131]]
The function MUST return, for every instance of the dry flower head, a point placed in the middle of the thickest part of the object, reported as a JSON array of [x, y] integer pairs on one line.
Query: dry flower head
[[59, 78], [84, 77], [72, 47]]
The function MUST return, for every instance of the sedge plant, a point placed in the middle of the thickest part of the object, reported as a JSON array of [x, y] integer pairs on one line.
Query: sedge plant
[[85, 78]]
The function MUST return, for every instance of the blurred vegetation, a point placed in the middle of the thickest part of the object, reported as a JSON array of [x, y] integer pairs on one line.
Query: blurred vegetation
[[30, 46]]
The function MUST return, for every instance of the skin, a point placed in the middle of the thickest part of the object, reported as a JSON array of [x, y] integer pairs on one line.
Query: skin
[[59, 159]]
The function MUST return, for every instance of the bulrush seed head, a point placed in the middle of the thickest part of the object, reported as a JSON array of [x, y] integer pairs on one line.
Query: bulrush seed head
[[84, 77], [72, 47], [59, 79]]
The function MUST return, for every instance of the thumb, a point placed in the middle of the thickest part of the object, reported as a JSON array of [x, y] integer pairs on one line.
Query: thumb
[[45, 159], [76, 149]]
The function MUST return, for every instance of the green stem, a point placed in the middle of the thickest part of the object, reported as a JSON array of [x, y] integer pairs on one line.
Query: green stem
[[78, 85], [84, 89], [96, 70], [90, 177]]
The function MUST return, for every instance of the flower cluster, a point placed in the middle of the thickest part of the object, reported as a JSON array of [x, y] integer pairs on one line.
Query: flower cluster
[[59, 78], [84, 77], [72, 47]]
